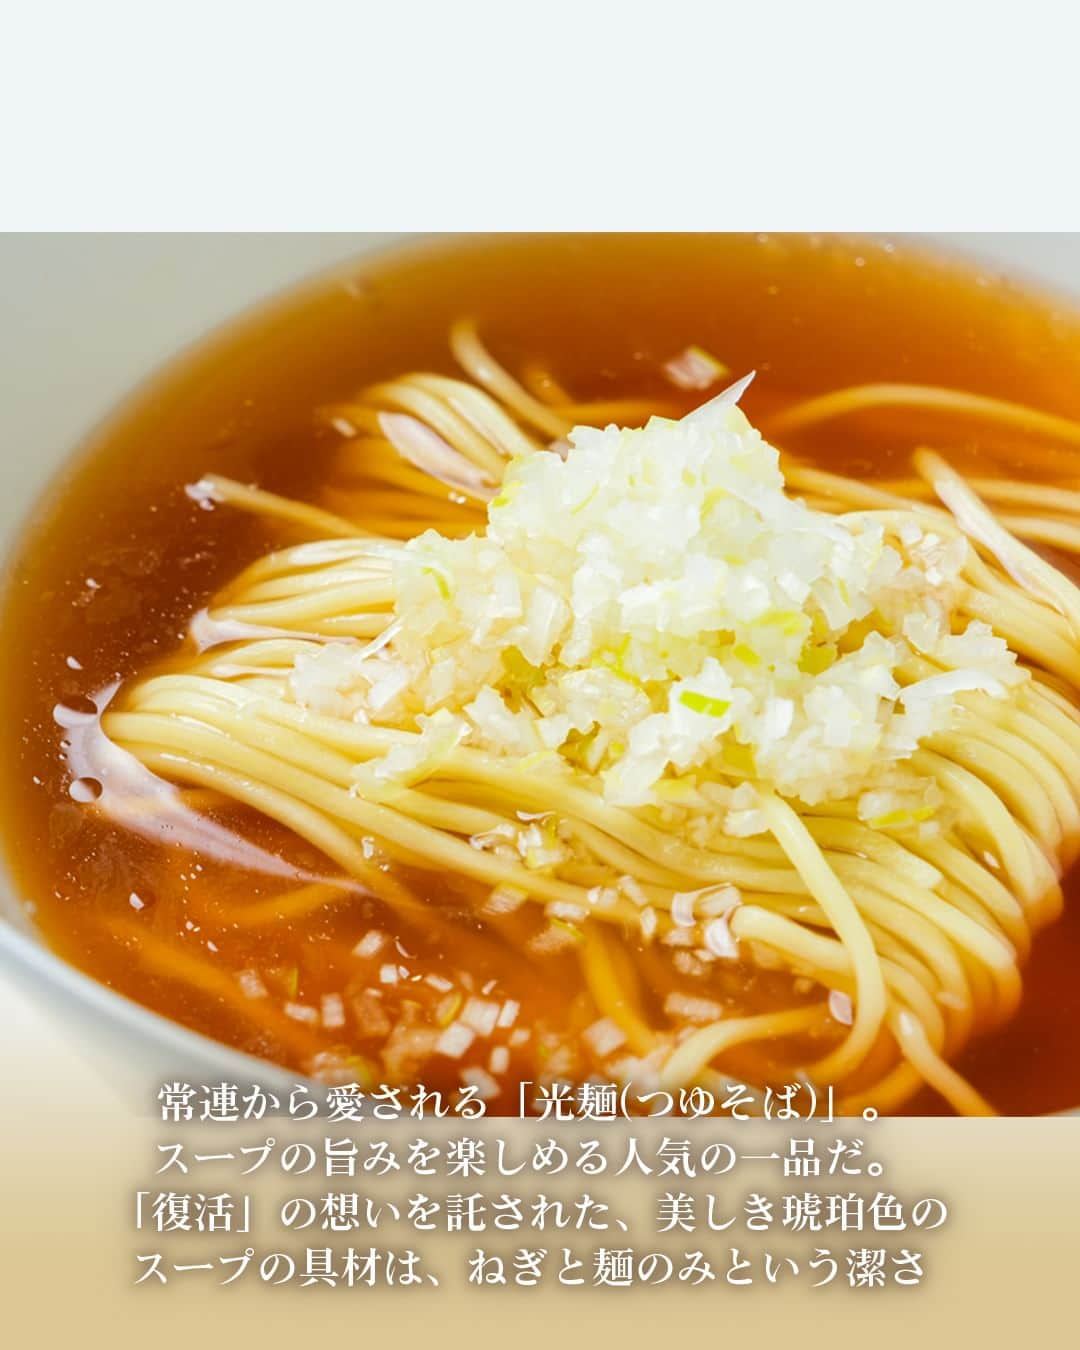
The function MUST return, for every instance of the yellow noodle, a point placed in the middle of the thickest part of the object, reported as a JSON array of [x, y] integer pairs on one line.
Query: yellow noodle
[[478, 362], [922, 930], [310, 518], [610, 993], [685, 1063], [860, 397]]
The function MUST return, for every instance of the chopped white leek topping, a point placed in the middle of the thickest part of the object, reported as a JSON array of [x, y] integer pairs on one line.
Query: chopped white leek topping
[[604, 1037], [656, 611], [840, 1007], [694, 368], [719, 939], [455, 1040], [481, 1015]]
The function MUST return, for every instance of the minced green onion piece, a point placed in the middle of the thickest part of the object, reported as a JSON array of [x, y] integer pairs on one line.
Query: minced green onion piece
[[440, 581], [902, 817], [746, 654], [789, 621], [815, 659], [704, 703]]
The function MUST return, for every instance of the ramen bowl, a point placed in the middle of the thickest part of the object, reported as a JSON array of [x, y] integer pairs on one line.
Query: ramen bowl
[[95, 317]]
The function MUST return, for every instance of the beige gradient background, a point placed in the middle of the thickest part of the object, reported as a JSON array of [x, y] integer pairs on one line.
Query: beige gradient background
[[74, 1152]]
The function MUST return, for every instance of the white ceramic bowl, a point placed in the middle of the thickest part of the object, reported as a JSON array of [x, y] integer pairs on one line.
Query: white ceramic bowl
[[86, 319]]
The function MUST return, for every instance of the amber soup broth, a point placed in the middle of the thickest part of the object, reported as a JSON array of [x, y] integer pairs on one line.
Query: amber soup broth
[[118, 557]]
